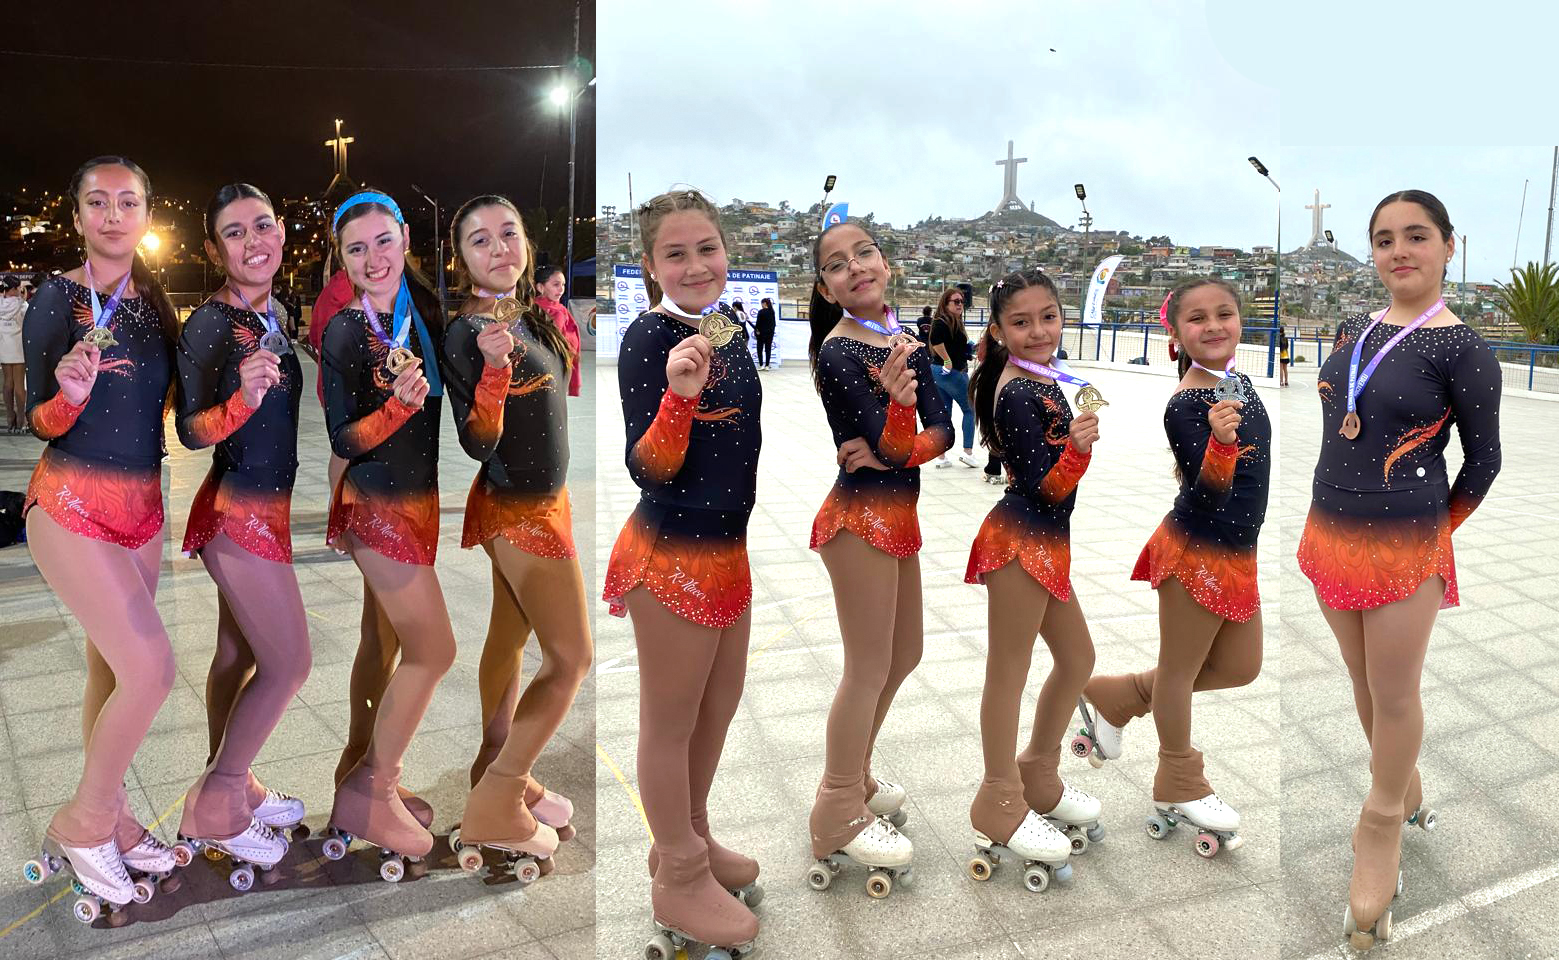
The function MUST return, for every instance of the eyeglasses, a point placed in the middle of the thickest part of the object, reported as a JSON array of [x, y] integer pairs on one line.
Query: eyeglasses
[[867, 256], [955, 302]]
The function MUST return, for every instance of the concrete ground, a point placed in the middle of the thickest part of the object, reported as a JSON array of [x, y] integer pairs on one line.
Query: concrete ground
[[1131, 896], [317, 909], [1480, 884]]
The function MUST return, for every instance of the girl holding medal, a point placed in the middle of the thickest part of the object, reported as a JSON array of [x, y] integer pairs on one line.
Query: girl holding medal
[[549, 294], [1201, 562], [872, 376], [1377, 541], [99, 366], [1023, 556], [240, 388], [507, 383], [691, 398], [382, 401]]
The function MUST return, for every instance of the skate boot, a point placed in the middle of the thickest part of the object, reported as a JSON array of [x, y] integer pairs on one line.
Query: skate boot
[[1217, 823], [881, 848], [692, 907], [258, 846], [1077, 816], [277, 810], [1419, 815], [496, 818], [418, 807], [1377, 876], [886, 800], [1099, 739], [368, 807], [553, 809], [100, 879], [732, 870], [1043, 849], [152, 860]]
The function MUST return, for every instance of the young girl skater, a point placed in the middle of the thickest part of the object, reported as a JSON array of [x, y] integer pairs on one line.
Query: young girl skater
[[1202, 562], [382, 401], [691, 398], [507, 368], [240, 384], [1023, 556], [872, 381], [1377, 541], [99, 345], [549, 293]]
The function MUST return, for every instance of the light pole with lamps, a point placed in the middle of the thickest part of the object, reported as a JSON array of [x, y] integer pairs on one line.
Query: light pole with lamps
[[561, 96], [1082, 197], [1277, 269]]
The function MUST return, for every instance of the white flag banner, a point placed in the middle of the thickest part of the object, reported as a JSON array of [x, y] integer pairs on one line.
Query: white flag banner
[[1093, 307]]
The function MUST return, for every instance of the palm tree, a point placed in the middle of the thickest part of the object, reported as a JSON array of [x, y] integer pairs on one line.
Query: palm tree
[[1531, 299]]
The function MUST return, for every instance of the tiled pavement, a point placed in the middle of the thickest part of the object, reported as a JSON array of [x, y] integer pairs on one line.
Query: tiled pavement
[[317, 909], [1480, 884], [1130, 897]]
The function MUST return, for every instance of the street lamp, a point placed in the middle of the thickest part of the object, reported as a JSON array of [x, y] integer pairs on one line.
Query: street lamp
[[150, 243], [1330, 239], [1082, 197], [438, 241], [828, 187], [560, 96], [1277, 275]]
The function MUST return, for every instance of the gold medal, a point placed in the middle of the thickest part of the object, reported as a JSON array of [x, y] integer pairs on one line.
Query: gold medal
[[1090, 399], [101, 337], [400, 360], [906, 338], [1351, 425], [717, 329], [506, 311]]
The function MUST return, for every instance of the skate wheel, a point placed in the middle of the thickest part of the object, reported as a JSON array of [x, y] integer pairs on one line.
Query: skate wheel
[[143, 891], [717, 953], [242, 879], [899, 817], [1233, 841], [751, 895], [1383, 926], [659, 948], [1206, 845], [879, 885], [1428, 819], [527, 871], [268, 875], [1095, 833], [1361, 941], [1348, 926], [470, 859], [1079, 842], [213, 854], [1082, 747], [906, 877], [979, 869], [1063, 873], [1036, 879], [35, 871], [77, 888], [566, 832], [116, 915], [820, 877], [334, 848], [171, 883], [1158, 827], [86, 909], [392, 870], [183, 854], [300, 832], [1400, 878]]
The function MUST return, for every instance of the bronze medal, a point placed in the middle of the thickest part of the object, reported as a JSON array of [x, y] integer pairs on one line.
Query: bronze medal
[[1351, 426], [399, 360], [506, 311], [1090, 399], [906, 338], [717, 329], [101, 337]]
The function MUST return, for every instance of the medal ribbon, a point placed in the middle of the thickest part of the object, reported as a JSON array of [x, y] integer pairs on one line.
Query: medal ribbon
[[269, 316], [1045, 370], [492, 294], [667, 304], [102, 313], [404, 318], [1356, 382], [889, 327], [1228, 370]]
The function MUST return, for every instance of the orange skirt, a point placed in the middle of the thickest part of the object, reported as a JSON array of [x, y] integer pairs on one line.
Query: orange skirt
[[403, 527], [539, 524], [886, 521], [701, 577], [1008, 534], [1219, 577], [258, 521], [1359, 565], [99, 501]]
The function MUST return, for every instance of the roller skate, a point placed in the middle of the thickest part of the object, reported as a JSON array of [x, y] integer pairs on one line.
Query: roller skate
[[732, 870], [1077, 816], [1044, 850], [258, 846], [279, 811], [887, 801], [1377, 861], [152, 860], [553, 809], [1217, 824], [102, 884], [496, 818], [881, 848], [691, 907], [367, 807], [1098, 740], [1418, 815]]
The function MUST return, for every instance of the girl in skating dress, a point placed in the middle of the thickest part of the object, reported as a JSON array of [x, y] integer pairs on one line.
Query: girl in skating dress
[[1377, 541], [691, 398], [872, 382]]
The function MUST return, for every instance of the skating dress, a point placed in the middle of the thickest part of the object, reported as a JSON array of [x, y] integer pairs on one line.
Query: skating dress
[[1208, 541], [514, 421], [1382, 510], [101, 474], [1032, 523], [248, 492], [388, 495], [695, 460], [877, 505]]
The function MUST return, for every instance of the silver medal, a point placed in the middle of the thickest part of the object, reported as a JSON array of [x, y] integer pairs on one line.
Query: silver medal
[[276, 342], [1228, 389]]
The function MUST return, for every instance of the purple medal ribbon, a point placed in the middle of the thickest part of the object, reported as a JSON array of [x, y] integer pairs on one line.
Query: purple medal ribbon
[[1228, 370], [1356, 382], [888, 328], [269, 316], [102, 313], [373, 320], [1045, 370]]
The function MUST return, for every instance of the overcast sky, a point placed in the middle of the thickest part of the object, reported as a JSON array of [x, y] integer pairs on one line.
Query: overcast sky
[[911, 107]]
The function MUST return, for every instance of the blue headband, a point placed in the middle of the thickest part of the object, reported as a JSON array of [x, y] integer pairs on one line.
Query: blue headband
[[367, 196]]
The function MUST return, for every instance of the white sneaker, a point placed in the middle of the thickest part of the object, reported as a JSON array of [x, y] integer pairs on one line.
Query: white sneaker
[[1076, 807], [881, 845], [1209, 813], [888, 799], [99, 869], [279, 809], [149, 855], [942, 461], [1036, 839], [969, 461], [258, 844]]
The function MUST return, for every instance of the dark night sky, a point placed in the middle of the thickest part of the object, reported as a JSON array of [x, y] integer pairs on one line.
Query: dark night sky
[[194, 128]]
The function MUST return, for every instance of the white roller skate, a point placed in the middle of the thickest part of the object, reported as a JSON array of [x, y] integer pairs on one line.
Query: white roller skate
[[1043, 849], [527, 860], [99, 878], [879, 847], [280, 811], [1098, 740], [1077, 816], [1216, 821], [1362, 939], [258, 846], [888, 802]]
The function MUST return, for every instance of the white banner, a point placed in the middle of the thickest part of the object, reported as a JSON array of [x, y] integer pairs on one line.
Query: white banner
[[629, 300], [1093, 307]]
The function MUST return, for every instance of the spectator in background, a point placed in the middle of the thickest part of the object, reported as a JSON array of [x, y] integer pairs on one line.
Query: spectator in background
[[13, 307], [337, 293], [765, 328], [950, 346], [549, 297], [923, 328]]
